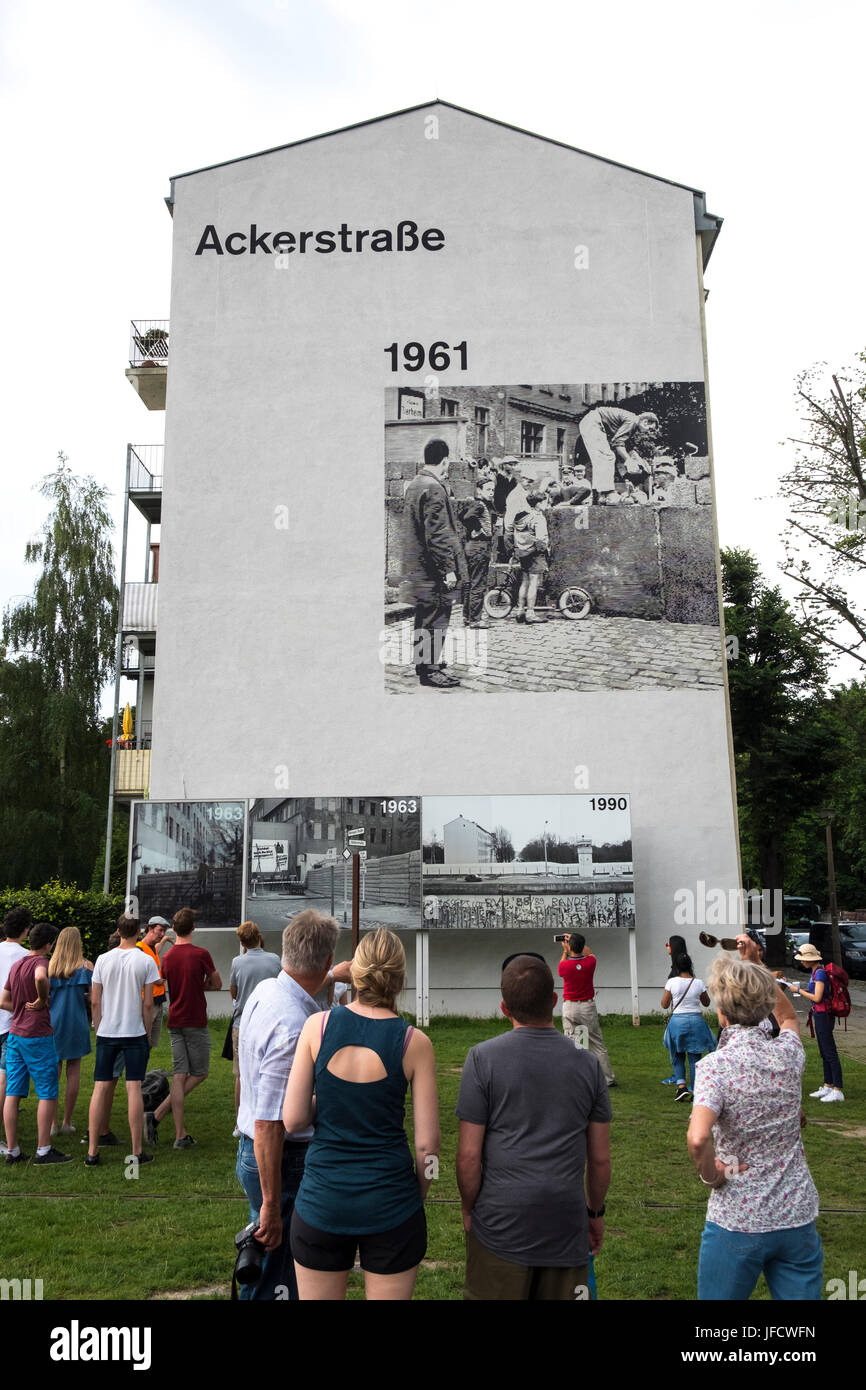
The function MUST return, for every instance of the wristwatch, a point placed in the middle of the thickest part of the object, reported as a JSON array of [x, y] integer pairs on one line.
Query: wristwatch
[[594, 1215]]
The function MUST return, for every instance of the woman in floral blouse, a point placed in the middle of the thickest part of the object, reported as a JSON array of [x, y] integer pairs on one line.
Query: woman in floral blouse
[[744, 1138]]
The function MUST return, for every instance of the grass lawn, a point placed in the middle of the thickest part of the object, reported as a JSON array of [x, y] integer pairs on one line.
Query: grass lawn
[[95, 1233]]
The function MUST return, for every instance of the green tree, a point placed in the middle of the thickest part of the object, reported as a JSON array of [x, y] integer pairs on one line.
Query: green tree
[[58, 654], [784, 741], [825, 488]]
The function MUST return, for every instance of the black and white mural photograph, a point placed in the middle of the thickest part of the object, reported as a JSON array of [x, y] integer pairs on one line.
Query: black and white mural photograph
[[300, 851], [188, 854], [549, 538], [562, 863]]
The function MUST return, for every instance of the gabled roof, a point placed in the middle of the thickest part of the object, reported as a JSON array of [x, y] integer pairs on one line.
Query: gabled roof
[[707, 224]]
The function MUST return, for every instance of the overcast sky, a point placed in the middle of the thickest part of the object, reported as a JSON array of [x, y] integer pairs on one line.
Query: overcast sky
[[566, 817], [100, 103]]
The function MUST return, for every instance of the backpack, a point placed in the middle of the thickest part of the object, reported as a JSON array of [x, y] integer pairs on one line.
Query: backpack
[[835, 994], [840, 999], [154, 1089]]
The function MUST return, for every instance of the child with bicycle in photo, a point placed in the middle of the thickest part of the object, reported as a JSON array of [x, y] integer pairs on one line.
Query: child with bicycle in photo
[[531, 548]]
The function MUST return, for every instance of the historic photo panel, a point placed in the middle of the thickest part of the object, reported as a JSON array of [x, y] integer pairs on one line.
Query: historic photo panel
[[554, 537], [561, 863], [300, 851]]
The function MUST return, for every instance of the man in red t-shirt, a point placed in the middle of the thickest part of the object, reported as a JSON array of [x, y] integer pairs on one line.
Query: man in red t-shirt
[[188, 971], [577, 969]]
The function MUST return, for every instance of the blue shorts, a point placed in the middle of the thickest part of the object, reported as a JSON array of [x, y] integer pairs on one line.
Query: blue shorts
[[34, 1058], [135, 1052]]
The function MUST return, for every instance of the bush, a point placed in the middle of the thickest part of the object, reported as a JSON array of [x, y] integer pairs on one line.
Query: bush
[[65, 905]]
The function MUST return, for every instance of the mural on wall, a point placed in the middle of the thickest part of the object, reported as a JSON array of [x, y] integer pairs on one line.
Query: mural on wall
[[297, 859], [188, 854], [562, 863], [549, 538]]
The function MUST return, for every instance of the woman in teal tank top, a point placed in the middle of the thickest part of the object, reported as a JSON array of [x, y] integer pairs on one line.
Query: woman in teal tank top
[[361, 1188]]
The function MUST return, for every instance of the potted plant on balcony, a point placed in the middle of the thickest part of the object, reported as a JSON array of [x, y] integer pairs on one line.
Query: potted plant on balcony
[[152, 343]]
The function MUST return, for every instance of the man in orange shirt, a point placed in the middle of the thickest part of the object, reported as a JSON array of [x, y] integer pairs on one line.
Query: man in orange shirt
[[150, 944]]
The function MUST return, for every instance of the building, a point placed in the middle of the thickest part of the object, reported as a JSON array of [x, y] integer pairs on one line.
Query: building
[[466, 842], [334, 302]]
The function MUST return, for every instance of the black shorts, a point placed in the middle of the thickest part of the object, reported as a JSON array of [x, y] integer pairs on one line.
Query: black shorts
[[383, 1252]]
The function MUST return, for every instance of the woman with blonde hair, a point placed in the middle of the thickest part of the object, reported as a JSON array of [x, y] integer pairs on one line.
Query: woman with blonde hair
[[360, 1187], [69, 976], [744, 1138]]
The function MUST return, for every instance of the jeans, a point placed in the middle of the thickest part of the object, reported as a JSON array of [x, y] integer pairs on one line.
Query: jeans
[[678, 1060], [278, 1270], [730, 1263], [824, 1024]]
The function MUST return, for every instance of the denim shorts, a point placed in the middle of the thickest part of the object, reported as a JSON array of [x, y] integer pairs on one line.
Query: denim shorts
[[134, 1051]]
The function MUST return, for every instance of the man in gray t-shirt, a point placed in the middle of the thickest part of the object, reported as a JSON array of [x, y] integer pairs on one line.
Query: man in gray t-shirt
[[534, 1116]]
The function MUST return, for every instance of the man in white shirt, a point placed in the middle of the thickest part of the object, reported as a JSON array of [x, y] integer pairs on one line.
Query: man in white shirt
[[122, 1006], [16, 925], [271, 1162]]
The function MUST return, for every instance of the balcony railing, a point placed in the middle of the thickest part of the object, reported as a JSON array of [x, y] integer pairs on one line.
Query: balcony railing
[[135, 662], [148, 343], [145, 467], [139, 607], [132, 772]]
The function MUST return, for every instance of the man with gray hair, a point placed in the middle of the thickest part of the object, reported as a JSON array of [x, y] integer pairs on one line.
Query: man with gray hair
[[271, 1162]]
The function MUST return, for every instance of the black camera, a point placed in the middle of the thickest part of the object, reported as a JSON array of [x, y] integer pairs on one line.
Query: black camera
[[565, 936], [251, 1253]]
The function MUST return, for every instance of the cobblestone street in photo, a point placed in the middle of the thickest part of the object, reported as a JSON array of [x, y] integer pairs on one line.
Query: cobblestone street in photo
[[592, 654]]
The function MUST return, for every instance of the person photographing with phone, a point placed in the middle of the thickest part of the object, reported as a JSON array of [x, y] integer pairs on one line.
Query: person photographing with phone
[[577, 972]]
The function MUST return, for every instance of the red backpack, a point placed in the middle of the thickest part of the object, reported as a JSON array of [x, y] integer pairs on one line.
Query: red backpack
[[835, 994], [840, 999]]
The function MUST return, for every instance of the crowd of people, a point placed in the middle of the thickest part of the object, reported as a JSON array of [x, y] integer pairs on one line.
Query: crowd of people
[[51, 995], [322, 1078]]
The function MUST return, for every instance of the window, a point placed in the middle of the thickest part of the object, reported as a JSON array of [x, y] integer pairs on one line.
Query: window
[[531, 437], [482, 426], [331, 830], [560, 446], [447, 407], [372, 837]]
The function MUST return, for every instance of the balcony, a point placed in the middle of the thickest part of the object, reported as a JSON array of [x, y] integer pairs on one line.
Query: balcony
[[139, 607], [134, 662], [145, 480], [132, 772], [148, 361]]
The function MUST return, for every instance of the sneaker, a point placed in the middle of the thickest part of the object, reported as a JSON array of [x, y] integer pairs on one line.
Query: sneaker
[[150, 1127], [612, 1082], [16, 1158], [669, 1081], [106, 1141], [533, 617], [91, 1160], [819, 1094], [52, 1156], [140, 1158], [832, 1094], [185, 1143], [683, 1093]]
